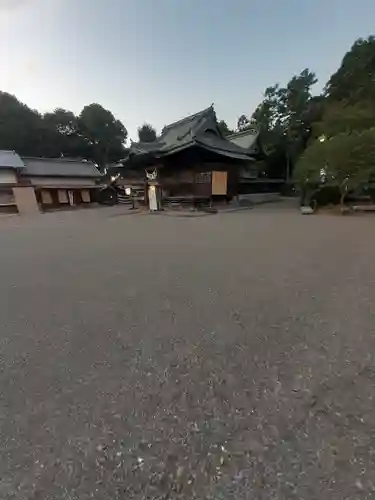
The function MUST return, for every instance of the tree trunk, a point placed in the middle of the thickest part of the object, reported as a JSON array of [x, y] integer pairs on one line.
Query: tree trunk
[[287, 167], [342, 199], [303, 196]]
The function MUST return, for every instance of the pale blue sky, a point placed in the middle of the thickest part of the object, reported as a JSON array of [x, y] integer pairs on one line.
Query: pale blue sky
[[159, 60]]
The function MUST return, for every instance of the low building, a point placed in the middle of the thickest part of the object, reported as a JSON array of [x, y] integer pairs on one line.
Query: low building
[[247, 139], [61, 182], [254, 178], [15, 195], [32, 184]]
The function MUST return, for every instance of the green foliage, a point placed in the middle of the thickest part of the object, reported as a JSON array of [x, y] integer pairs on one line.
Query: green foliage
[[243, 123], [346, 160], [340, 117], [266, 114], [354, 81], [223, 127], [326, 195], [65, 137], [21, 128], [350, 159], [63, 121], [146, 133], [285, 116], [95, 135], [311, 164], [291, 119], [343, 149], [105, 135]]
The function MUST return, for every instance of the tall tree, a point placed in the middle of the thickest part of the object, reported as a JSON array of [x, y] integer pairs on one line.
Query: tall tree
[[66, 138], [64, 122], [284, 118], [267, 112], [342, 153], [294, 101], [340, 117], [21, 128], [146, 133], [342, 147], [310, 170], [354, 81], [94, 135], [105, 135]]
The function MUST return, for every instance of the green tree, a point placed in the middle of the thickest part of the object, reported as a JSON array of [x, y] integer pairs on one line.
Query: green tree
[[63, 121], [354, 81], [104, 134], [351, 160], [284, 119], [346, 160], [243, 123], [342, 150], [223, 127], [21, 128], [310, 169], [292, 105], [65, 135], [94, 135], [146, 133], [266, 115], [269, 123], [340, 117]]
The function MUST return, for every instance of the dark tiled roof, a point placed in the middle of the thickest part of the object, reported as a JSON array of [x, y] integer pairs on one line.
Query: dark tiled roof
[[60, 167], [223, 147], [199, 129], [246, 138], [252, 141], [10, 159]]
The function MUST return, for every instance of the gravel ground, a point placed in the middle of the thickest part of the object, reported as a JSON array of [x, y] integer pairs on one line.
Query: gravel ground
[[223, 357]]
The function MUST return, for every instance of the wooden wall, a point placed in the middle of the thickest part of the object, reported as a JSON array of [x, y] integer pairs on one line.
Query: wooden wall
[[200, 180], [179, 177]]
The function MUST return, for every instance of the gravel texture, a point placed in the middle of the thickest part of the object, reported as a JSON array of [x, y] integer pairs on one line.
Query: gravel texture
[[222, 357]]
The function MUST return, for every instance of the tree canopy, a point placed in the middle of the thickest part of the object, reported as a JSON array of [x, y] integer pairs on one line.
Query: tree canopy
[[340, 117], [341, 150], [346, 160], [354, 80], [65, 137], [299, 129], [94, 135], [104, 134], [284, 119], [146, 133], [21, 128]]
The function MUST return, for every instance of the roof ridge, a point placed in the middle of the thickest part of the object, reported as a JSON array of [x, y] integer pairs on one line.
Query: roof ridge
[[72, 160], [188, 118], [239, 133]]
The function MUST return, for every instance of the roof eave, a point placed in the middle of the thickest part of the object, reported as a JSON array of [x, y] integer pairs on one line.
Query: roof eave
[[239, 155], [62, 176]]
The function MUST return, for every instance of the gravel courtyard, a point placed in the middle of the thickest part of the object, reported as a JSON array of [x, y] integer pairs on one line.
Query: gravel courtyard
[[155, 357]]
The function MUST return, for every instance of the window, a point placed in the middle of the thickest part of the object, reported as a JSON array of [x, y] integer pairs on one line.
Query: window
[[203, 178]]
